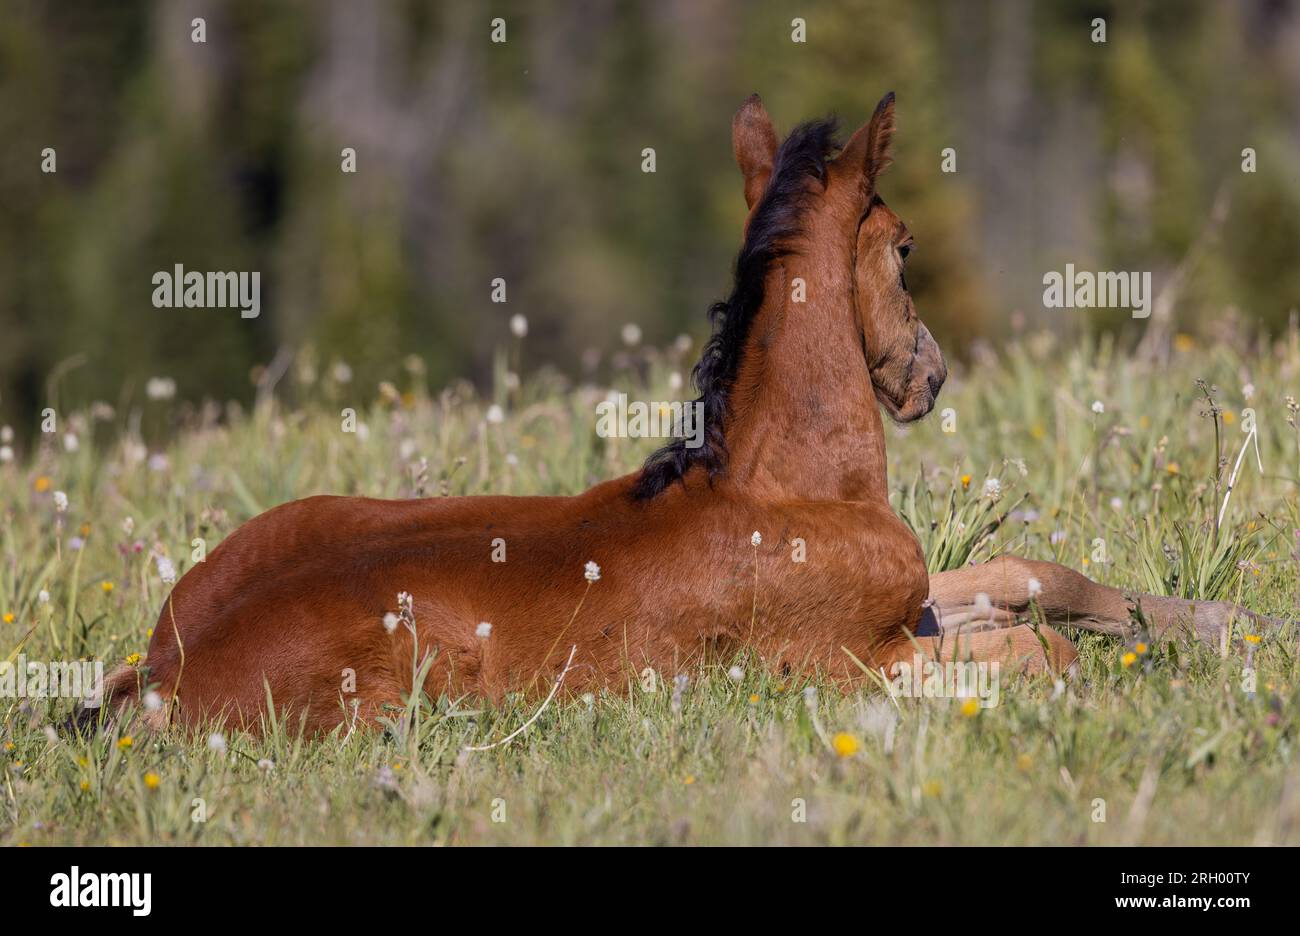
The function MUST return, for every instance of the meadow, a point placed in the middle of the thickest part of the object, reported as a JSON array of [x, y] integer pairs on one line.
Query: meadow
[[1071, 452]]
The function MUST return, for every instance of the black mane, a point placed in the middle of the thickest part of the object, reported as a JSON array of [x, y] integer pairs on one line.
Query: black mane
[[776, 219]]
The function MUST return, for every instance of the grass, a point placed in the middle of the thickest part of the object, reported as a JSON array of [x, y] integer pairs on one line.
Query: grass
[[1129, 495]]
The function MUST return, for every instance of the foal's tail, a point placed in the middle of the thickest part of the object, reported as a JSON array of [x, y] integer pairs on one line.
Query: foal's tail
[[121, 687]]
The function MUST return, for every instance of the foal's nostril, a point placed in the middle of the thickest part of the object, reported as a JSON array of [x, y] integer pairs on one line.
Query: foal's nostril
[[936, 381]]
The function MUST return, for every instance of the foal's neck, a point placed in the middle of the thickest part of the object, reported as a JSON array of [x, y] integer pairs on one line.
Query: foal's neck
[[804, 422]]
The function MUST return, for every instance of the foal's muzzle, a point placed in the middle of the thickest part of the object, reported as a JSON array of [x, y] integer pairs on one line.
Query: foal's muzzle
[[928, 374]]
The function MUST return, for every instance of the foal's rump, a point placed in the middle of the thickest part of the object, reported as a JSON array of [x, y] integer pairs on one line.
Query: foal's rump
[[332, 603]]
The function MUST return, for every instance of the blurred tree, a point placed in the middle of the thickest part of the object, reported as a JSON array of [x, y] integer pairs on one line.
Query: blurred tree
[[523, 160]]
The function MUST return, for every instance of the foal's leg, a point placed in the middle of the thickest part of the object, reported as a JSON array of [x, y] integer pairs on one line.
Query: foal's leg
[[1070, 599], [1017, 649]]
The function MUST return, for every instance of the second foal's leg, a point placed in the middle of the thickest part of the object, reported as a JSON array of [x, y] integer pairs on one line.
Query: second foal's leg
[[1070, 599]]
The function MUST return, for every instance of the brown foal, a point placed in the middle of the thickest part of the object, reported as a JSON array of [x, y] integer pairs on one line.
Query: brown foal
[[817, 336]]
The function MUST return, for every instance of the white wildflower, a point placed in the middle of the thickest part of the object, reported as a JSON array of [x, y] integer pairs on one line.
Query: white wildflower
[[483, 631], [390, 622], [631, 335], [1035, 587], [134, 452], [518, 326], [385, 779], [166, 571], [1098, 407], [6, 454], [43, 596], [217, 742], [1248, 391], [495, 414], [152, 701], [756, 539], [983, 606], [992, 488], [591, 572], [674, 381], [60, 501], [70, 442], [736, 674], [160, 388], [679, 687]]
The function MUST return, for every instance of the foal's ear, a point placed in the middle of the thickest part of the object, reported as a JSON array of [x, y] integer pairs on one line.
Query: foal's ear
[[754, 142], [868, 151]]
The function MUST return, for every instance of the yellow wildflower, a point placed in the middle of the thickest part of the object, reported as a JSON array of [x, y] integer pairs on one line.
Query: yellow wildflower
[[1252, 638], [1128, 659], [151, 780], [125, 742], [970, 708], [106, 587], [42, 484], [845, 744]]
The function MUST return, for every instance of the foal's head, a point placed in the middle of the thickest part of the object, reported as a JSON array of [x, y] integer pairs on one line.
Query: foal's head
[[906, 366], [806, 201]]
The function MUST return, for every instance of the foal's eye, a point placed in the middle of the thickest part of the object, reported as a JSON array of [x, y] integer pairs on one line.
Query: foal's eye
[[904, 251]]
